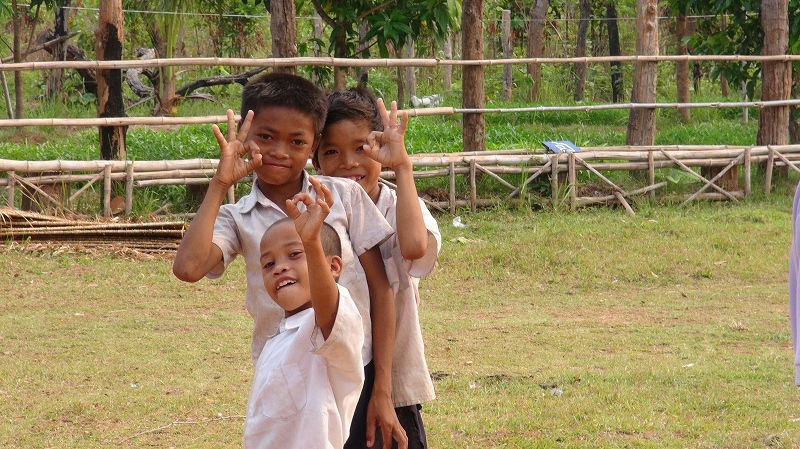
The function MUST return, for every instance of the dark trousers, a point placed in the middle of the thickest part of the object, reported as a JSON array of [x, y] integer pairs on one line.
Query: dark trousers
[[410, 418]]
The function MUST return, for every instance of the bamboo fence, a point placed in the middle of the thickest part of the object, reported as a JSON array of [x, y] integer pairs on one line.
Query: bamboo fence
[[561, 171]]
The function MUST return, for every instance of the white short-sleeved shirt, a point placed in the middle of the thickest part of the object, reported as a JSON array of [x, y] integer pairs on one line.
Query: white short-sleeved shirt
[[411, 381], [305, 388], [239, 228]]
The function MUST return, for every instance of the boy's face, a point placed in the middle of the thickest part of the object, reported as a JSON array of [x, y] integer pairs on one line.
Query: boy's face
[[286, 139], [284, 268], [341, 154]]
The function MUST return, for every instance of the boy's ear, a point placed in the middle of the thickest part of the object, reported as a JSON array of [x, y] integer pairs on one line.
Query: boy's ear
[[336, 265]]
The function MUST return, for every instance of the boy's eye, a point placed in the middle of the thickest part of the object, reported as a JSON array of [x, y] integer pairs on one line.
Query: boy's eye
[[264, 136], [269, 264], [295, 253], [298, 142], [329, 152]]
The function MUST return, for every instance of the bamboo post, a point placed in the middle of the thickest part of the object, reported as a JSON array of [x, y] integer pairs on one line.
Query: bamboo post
[[554, 179], [651, 173], [573, 183], [84, 188], [624, 203], [768, 175], [10, 190], [231, 194], [747, 171], [107, 191], [128, 187], [452, 188], [473, 189]]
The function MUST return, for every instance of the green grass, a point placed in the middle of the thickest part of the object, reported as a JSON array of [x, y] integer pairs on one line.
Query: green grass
[[664, 330]]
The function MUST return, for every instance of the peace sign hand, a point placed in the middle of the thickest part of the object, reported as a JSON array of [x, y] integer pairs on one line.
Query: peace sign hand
[[388, 146], [232, 164]]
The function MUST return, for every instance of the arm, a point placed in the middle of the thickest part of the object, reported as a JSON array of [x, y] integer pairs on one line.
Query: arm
[[324, 291], [388, 148], [380, 411], [196, 254]]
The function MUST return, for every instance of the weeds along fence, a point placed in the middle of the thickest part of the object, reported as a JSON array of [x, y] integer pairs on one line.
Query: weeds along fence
[[561, 171]]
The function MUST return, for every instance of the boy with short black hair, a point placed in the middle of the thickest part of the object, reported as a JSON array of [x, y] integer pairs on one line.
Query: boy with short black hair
[[309, 375], [281, 125], [360, 138]]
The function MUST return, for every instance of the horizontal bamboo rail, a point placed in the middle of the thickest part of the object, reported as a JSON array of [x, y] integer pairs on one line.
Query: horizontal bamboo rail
[[374, 62], [419, 112], [34, 175]]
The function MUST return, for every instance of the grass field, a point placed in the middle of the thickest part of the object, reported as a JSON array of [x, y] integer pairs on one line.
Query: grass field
[[543, 329]]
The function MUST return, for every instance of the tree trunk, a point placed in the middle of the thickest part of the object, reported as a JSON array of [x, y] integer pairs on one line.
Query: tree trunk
[[447, 81], [615, 67], [580, 49], [642, 122], [18, 83], [339, 75], [55, 80], [508, 53], [682, 69], [284, 32], [109, 81], [410, 76], [723, 82], [474, 126], [773, 122], [538, 15], [776, 76]]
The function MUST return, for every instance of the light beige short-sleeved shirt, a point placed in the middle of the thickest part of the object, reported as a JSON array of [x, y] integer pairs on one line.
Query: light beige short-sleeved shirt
[[411, 381], [239, 228], [305, 388]]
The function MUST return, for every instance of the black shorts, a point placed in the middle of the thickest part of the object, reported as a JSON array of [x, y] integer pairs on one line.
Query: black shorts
[[410, 418]]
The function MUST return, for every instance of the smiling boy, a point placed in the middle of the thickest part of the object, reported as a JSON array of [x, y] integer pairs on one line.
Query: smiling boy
[[281, 125]]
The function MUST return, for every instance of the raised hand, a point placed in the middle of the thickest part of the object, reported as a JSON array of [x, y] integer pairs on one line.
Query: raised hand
[[232, 164], [388, 146], [309, 222]]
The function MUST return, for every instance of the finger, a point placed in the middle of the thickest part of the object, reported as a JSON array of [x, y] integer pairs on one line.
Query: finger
[[221, 141], [370, 433], [303, 198], [403, 122], [292, 210], [393, 114], [254, 152], [387, 434], [383, 113], [245, 128], [231, 125], [326, 193]]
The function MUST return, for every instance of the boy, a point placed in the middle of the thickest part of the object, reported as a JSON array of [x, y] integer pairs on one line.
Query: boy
[[309, 375], [281, 125], [351, 149]]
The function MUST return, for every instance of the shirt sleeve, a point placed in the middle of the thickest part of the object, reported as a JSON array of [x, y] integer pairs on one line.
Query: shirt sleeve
[[226, 237], [342, 349], [423, 266], [367, 226]]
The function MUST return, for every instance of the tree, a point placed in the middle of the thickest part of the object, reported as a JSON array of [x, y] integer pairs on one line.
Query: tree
[[391, 23], [580, 49], [474, 126], [164, 30], [615, 67], [282, 25], [776, 78], [642, 122], [538, 14]]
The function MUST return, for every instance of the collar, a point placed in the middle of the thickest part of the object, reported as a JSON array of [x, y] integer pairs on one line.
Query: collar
[[296, 320], [385, 199], [257, 196]]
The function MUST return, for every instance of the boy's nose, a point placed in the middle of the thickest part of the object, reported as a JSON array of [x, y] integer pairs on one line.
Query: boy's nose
[[349, 162]]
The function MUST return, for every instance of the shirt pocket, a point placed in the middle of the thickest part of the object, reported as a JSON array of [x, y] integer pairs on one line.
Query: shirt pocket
[[283, 394]]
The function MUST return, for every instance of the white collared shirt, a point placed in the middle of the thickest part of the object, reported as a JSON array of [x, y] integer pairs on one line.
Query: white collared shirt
[[239, 228], [305, 388], [411, 381]]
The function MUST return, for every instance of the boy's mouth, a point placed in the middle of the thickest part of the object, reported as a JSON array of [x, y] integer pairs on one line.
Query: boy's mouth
[[356, 178], [284, 283]]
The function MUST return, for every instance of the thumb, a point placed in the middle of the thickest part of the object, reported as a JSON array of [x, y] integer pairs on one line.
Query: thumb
[[370, 433]]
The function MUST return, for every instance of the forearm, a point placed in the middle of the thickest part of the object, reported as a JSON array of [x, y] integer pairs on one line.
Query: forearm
[[324, 291], [382, 316], [193, 257], [412, 236]]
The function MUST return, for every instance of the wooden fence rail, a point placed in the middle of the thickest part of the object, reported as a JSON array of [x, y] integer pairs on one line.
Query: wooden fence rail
[[561, 170]]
